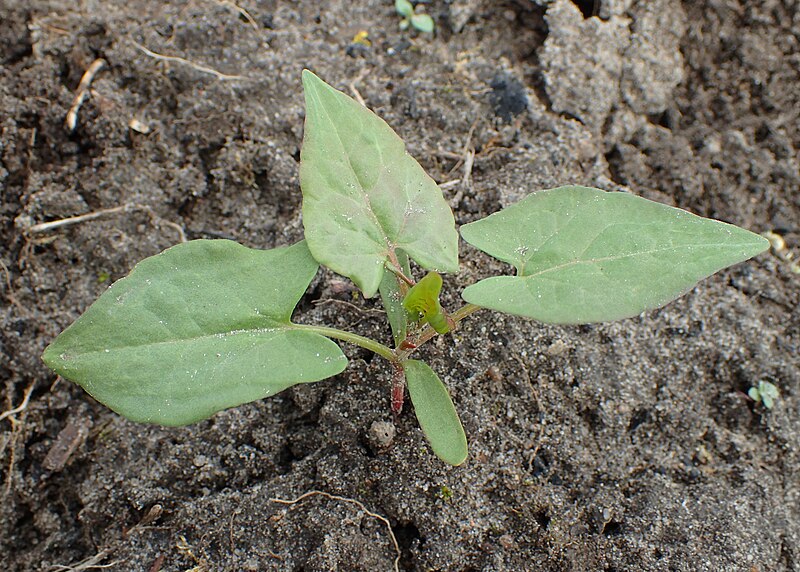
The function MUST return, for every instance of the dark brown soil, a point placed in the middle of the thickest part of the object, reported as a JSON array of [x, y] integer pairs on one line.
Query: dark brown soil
[[628, 446]]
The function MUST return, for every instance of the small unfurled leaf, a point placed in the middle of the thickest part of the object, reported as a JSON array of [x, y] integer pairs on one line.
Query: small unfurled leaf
[[422, 22], [364, 196], [435, 412], [585, 255], [422, 302], [201, 327], [404, 8]]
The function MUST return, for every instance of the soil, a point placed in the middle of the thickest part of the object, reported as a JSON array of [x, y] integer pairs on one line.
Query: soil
[[628, 446]]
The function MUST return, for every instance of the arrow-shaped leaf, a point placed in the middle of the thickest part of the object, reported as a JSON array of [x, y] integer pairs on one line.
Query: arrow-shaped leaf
[[364, 196], [201, 327], [585, 255]]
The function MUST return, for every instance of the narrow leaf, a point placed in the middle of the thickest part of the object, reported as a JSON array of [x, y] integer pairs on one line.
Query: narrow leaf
[[392, 298], [201, 327], [436, 413], [364, 195], [585, 255]]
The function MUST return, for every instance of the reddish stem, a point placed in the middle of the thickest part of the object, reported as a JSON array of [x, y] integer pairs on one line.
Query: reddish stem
[[398, 271], [398, 389]]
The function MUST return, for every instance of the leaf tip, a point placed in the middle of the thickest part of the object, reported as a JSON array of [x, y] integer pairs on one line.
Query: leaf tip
[[308, 76], [53, 357], [762, 244], [312, 83], [460, 459]]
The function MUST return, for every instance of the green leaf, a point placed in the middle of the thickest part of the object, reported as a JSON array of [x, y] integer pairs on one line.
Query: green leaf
[[767, 392], [392, 298], [585, 255], [435, 412], [422, 302], [201, 327], [404, 8], [422, 22], [364, 196]]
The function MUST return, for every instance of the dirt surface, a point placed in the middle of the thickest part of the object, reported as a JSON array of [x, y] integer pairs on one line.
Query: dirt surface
[[628, 446]]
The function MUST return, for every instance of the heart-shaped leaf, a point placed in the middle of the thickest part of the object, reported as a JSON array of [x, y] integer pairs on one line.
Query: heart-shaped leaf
[[201, 327], [364, 196], [436, 413], [585, 255]]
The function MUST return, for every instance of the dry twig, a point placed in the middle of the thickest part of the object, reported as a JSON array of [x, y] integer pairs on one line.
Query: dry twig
[[449, 184], [22, 406], [15, 433], [45, 226], [93, 562], [191, 64], [83, 93], [465, 159], [244, 13], [354, 89], [54, 224]]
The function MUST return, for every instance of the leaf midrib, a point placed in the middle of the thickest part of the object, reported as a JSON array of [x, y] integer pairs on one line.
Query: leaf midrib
[[364, 194], [577, 262], [280, 328]]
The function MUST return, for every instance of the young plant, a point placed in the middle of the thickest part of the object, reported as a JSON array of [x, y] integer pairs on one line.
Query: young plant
[[766, 393], [421, 22], [206, 325]]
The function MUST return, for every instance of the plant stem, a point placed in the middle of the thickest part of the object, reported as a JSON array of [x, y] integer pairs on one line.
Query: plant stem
[[395, 267], [464, 311], [361, 341], [395, 357], [428, 333]]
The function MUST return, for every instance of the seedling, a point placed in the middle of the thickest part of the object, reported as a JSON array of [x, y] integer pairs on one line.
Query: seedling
[[766, 393], [421, 22], [206, 325]]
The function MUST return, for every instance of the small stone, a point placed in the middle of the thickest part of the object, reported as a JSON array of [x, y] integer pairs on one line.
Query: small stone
[[381, 434], [557, 348]]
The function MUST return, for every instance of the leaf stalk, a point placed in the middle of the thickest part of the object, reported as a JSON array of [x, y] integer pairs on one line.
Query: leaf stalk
[[355, 339]]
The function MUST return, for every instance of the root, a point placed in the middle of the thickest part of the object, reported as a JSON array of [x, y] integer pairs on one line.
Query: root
[[54, 224], [93, 562], [199, 67], [21, 407], [15, 432], [383, 519]]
